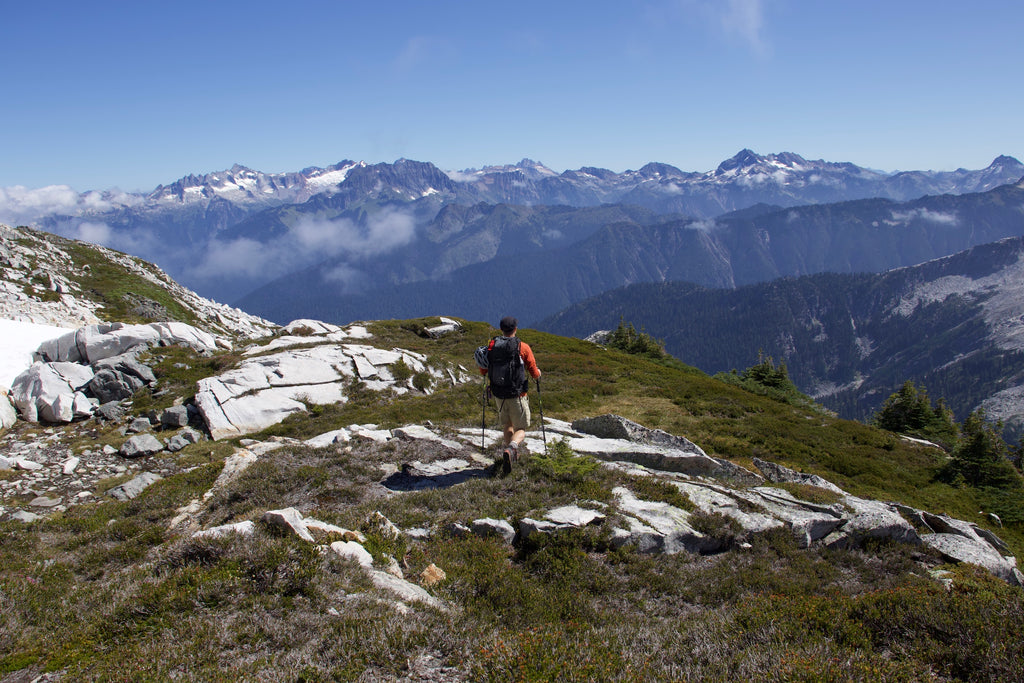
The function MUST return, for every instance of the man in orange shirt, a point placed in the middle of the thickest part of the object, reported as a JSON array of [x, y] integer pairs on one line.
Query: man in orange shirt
[[508, 361]]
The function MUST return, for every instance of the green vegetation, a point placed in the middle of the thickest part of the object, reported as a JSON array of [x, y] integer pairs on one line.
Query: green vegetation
[[109, 591], [626, 338], [111, 284], [770, 380], [909, 411]]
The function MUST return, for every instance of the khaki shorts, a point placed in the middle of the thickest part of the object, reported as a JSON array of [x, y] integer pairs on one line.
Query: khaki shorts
[[514, 411]]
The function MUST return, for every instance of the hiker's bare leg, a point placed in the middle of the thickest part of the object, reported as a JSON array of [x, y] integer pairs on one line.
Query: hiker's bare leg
[[509, 434]]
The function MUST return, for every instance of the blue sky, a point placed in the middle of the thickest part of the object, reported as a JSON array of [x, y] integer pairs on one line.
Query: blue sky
[[134, 94]]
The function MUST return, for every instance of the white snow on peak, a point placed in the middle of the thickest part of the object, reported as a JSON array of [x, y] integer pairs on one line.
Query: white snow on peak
[[329, 179]]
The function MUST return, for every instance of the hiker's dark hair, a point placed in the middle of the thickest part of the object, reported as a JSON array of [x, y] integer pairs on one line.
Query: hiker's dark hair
[[508, 324]]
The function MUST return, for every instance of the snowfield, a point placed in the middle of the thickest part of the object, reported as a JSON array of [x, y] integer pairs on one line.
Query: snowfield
[[18, 340]]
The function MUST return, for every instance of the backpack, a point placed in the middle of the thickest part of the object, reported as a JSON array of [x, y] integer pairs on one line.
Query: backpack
[[505, 368]]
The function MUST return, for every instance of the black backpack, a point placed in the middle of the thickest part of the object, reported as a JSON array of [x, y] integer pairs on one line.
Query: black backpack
[[505, 368]]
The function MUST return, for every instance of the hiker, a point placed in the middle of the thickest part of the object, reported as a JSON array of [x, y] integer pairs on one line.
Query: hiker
[[506, 362]]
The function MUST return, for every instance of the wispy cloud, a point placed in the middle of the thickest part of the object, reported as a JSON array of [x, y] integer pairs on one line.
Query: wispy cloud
[[419, 51], [740, 20], [927, 215], [744, 19], [308, 241], [22, 205]]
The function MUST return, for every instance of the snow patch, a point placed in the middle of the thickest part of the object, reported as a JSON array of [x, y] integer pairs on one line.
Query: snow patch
[[18, 339]]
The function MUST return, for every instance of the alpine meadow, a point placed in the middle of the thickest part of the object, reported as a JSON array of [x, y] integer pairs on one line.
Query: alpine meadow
[[304, 378]]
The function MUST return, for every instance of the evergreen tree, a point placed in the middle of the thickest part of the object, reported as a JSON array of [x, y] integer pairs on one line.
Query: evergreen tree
[[626, 338], [980, 456], [909, 411]]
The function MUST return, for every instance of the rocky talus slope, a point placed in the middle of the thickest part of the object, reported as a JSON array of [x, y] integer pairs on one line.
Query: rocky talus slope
[[51, 280]]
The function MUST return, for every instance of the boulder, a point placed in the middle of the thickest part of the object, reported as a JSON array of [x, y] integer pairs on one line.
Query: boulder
[[96, 342], [182, 439], [329, 438], [174, 417], [141, 445], [405, 590], [488, 527], [110, 411], [354, 551], [246, 528], [111, 387], [809, 522], [131, 489], [778, 474], [139, 424], [42, 393], [958, 548], [128, 366], [713, 499], [8, 415], [446, 327], [668, 522], [290, 520], [615, 438], [263, 391]]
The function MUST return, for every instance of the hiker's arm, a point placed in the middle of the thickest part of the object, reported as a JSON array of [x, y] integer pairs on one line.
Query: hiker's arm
[[528, 360]]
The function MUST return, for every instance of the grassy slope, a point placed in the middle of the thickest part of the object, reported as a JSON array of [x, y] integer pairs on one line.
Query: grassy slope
[[106, 592], [107, 282]]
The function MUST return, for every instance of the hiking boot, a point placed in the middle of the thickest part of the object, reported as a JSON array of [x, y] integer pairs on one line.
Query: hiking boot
[[506, 461], [514, 448]]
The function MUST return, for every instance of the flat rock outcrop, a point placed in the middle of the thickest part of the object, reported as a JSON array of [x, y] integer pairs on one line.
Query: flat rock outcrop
[[265, 389]]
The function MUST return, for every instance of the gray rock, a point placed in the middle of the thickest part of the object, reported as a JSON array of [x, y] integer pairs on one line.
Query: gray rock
[[246, 528], [96, 342], [131, 489], [175, 416], [778, 474], [182, 439], [139, 424], [329, 438], [42, 393], [406, 591], [668, 522], [77, 376], [620, 439], [26, 465], [488, 527], [110, 411], [6, 463], [44, 502], [141, 445], [8, 415], [290, 520], [109, 386], [616, 427], [354, 551], [717, 499], [446, 327], [573, 515], [808, 521], [25, 516], [873, 519], [127, 365], [962, 549]]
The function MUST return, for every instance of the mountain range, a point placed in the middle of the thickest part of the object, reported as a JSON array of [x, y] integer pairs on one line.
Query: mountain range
[[352, 212], [954, 325], [551, 257]]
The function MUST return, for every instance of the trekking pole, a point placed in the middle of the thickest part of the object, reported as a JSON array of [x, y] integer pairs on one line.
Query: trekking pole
[[483, 417], [543, 429]]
